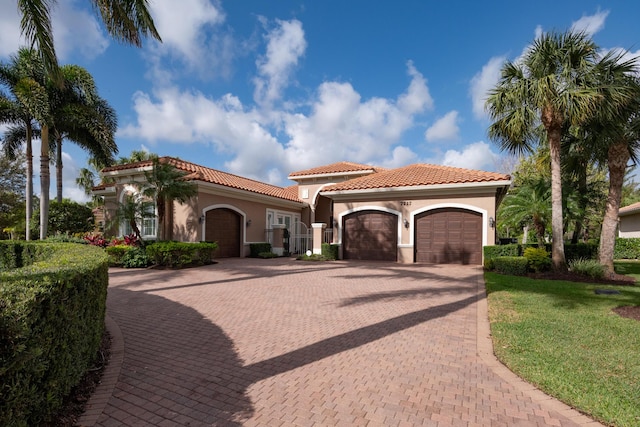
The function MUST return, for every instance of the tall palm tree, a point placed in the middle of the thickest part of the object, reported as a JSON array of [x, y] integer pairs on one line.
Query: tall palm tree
[[88, 121], [166, 184], [550, 87], [128, 21], [24, 76]]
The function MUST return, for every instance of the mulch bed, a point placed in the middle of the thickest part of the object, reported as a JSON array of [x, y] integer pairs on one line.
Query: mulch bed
[[630, 312], [73, 405]]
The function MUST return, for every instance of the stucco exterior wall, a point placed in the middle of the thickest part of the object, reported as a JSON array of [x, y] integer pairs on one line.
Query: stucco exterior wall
[[629, 226]]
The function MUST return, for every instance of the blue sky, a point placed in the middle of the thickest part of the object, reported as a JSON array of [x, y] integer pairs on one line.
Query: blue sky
[[262, 89]]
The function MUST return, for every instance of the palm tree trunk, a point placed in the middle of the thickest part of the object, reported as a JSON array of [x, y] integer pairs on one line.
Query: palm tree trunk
[[554, 135], [583, 201], [45, 181], [618, 156], [29, 189], [58, 167], [160, 207]]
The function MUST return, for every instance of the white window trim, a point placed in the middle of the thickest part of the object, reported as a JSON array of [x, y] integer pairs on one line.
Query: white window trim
[[129, 189]]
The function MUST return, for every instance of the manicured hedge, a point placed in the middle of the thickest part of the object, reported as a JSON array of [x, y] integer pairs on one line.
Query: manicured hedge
[[180, 254], [52, 308], [627, 248], [329, 251], [571, 251], [511, 265], [255, 249]]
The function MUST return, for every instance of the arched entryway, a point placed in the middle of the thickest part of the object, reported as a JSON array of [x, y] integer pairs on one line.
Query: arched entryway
[[222, 225], [448, 236]]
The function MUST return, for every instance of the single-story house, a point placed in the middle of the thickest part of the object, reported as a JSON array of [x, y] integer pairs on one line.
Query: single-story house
[[629, 221], [417, 213]]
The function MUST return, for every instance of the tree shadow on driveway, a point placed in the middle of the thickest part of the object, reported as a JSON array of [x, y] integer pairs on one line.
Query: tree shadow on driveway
[[181, 367]]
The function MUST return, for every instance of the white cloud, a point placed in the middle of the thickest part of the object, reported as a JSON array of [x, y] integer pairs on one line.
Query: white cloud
[[285, 45], [482, 83], [444, 129], [417, 98], [340, 126], [400, 156], [74, 30], [590, 24], [474, 156], [188, 34]]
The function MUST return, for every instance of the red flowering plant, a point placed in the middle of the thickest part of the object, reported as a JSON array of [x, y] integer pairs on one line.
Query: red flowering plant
[[96, 240]]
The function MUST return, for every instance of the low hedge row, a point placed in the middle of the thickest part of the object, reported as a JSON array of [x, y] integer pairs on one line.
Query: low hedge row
[[571, 251], [255, 249], [180, 254], [330, 251], [52, 308], [511, 265], [627, 248]]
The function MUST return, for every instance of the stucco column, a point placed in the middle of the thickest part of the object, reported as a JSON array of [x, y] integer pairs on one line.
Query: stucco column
[[318, 236], [277, 247]]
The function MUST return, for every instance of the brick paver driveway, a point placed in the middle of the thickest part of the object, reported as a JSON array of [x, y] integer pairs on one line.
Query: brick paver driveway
[[284, 342]]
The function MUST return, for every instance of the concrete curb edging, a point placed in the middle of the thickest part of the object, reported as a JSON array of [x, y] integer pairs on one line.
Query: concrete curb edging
[[485, 351], [100, 397]]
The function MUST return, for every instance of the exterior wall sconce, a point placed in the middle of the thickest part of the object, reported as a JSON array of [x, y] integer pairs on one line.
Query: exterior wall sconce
[[248, 222], [492, 222], [201, 219], [406, 223]]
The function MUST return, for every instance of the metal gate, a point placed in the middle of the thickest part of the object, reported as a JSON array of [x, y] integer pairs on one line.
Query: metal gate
[[300, 238]]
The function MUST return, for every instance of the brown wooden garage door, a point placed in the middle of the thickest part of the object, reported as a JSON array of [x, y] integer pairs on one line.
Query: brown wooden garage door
[[223, 226], [449, 236], [370, 235]]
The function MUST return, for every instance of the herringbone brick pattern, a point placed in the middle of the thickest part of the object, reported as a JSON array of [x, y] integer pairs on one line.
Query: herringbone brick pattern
[[287, 343]]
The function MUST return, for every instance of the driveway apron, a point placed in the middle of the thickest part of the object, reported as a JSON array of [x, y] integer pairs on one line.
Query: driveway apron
[[252, 342]]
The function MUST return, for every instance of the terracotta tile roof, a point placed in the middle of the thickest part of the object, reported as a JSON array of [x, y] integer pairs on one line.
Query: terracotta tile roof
[[202, 173], [418, 175], [335, 168], [629, 209]]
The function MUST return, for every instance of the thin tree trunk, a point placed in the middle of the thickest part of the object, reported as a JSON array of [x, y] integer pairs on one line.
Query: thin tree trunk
[[45, 181], [160, 207], [557, 233], [29, 189], [58, 167], [582, 201], [618, 156]]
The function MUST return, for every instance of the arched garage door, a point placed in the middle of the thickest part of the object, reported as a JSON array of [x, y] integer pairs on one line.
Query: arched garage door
[[449, 236], [223, 226], [370, 235]]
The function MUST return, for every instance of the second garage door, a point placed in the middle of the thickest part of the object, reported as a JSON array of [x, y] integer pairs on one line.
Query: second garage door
[[449, 236], [370, 235], [223, 226]]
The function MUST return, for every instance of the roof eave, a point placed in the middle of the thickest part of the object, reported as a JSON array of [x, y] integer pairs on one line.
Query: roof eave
[[331, 174], [420, 188]]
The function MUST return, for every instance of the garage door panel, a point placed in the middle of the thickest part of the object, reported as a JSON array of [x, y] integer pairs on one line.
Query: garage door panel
[[223, 227], [370, 235], [448, 236]]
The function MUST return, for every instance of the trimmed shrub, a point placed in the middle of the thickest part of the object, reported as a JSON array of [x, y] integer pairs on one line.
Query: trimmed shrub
[[538, 259], [255, 249], [135, 257], [266, 255], [627, 248], [329, 251], [491, 252], [180, 254], [52, 309], [588, 267], [116, 254], [511, 265]]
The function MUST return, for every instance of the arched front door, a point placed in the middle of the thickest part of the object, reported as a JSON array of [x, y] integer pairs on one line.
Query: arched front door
[[223, 226]]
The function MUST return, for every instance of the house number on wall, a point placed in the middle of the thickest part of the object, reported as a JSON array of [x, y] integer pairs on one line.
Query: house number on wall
[[405, 203]]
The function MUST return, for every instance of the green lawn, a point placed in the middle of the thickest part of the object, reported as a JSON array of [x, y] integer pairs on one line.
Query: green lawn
[[563, 338]]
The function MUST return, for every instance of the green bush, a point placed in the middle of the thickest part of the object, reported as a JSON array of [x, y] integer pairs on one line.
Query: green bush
[[329, 251], [52, 308], [180, 254], [580, 250], [255, 249], [116, 254], [267, 255], [538, 259], [627, 248], [512, 265], [587, 267], [135, 257], [571, 251]]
